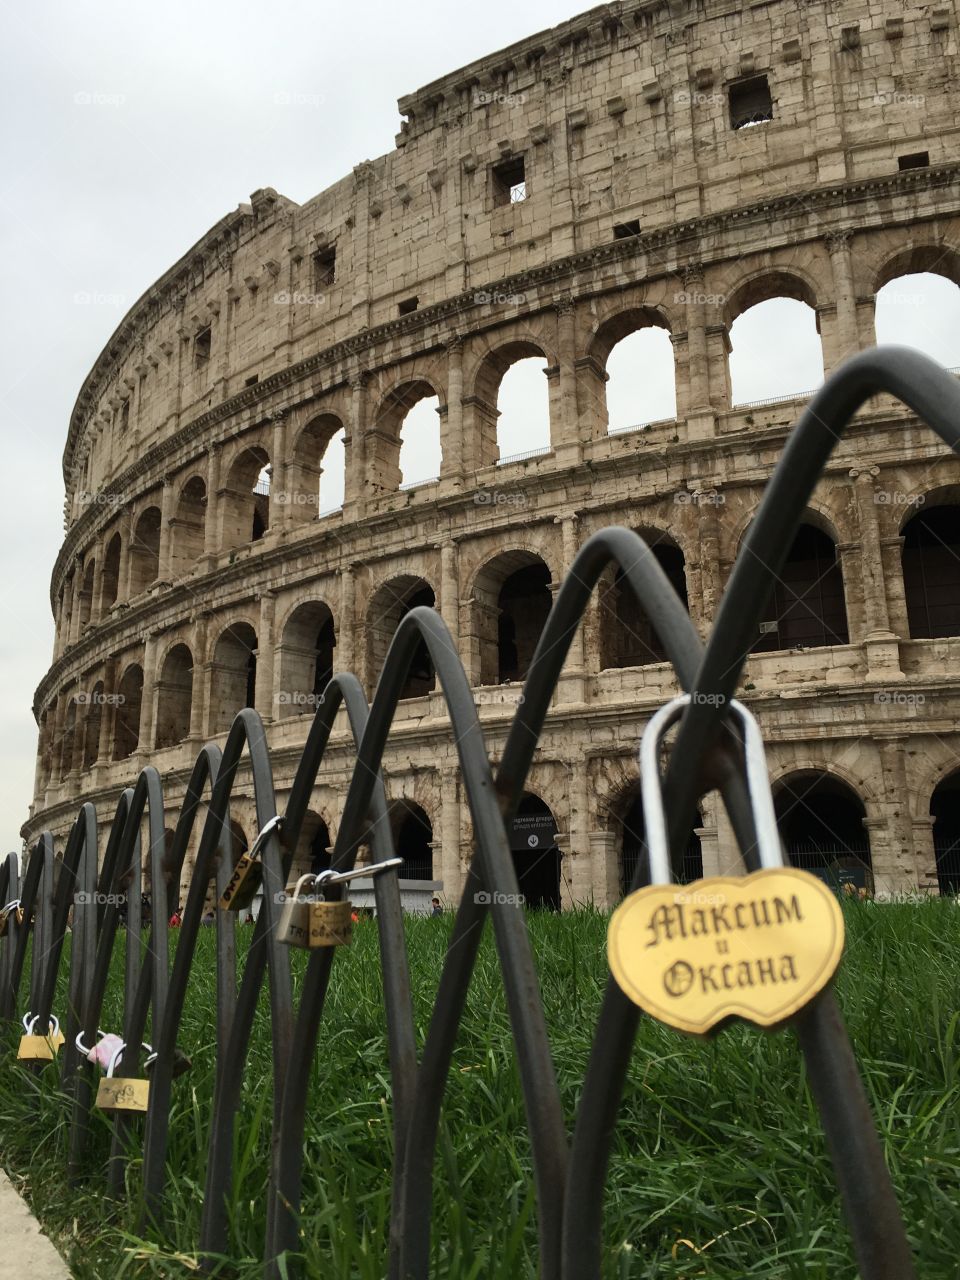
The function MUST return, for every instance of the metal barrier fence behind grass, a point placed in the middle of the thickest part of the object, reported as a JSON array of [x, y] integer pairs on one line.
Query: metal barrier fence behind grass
[[569, 1171]]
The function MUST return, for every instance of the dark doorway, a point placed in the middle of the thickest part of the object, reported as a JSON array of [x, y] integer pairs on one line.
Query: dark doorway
[[413, 840], [525, 602], [536, 858], [945, 810], [806, 608], [931, 572], [821, 826], [633, 850]]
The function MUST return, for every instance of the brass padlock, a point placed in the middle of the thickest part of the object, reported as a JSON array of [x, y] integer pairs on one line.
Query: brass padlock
[[11, 910], [37, 1048], [247, 874], [294, 925], [331, 923], [118, 1093]]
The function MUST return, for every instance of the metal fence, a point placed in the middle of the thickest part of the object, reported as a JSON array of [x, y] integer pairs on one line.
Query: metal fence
[[569, 1165]]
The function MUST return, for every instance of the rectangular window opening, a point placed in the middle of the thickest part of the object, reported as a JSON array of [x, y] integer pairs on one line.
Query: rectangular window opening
[[509, 182], [201, 347], [325, 268], [624, 230], [916, 160], [750, 102], [409, 304], [252, 382]]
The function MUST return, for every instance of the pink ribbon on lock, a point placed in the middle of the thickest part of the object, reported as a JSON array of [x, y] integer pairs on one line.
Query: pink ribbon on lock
[[104, 1050]]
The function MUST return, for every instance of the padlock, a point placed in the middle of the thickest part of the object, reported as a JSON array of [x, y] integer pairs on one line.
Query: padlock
[[12, 910], [36, 1048], [117, 1093], [294, 925], [331, 923], [247, 874]]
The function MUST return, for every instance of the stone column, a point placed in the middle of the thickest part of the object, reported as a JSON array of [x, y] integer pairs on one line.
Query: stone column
[[709, 840], [704, 605], [347, 629], [693, 382], [355, 481], [579, 864], [148, 703], [846, 338], [167, 500], [211, 524], [125, 568], [198, 693], [450, 834], [882, 649], [108, 718], [280, 508], [565, 427], [605, 869], [902, 866], [450, 590], [925, 855], [97, 600], [75, 601], [264, 693], [451, 423], [573, 683]]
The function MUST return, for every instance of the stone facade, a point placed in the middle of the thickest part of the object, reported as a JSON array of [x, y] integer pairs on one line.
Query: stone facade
[[643, 206]]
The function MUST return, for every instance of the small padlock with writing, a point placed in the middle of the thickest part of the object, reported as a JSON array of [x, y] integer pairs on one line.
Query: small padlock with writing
[[294, 926], [39, 1048], [245, 880], [120, 1093], [331, 923]]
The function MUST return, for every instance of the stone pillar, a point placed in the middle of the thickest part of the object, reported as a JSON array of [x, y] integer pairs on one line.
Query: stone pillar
[[97, 600], [450, 590], [198, 693], [264, 693], [108, 718], [578, 866], [901, 868], [573, 683], [705, 604], [75, 601], [167, 501], [148, 703], [925, 855], [280, 507], [565, 425], [211, 524], [450, 834], [846, 338], [709, 840], [605, 868], [693, 381], [347, 630], [355, 483], [451, 422], [882, 649], [125, 569]]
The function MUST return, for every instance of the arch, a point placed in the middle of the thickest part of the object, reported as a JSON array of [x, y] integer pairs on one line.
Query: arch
[[821, 822], [144, 551], [188, 527], [245, 499], [511, 601], [174, 697], [234, 674], [86, 594], [126, 721], [627, 638], [110, 580], [919, 259], [945, 811], [930, 562], [92, 724], [536, 857], [775, 349], [316, 471], [393, 444], [634, 350], [921, 310], [388, 604], [807, 607], [630, 827], [413, 839], [305, 656]]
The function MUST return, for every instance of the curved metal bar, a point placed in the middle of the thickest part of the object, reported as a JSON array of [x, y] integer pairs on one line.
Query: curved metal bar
[[9, 892]]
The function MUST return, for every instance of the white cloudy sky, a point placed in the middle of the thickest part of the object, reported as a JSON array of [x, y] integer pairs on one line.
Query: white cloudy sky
[[128, 130]]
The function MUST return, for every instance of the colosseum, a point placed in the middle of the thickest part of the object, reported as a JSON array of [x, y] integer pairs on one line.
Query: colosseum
[[652, 167]]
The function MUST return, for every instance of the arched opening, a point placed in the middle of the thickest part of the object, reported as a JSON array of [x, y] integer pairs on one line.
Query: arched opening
[[775, 340], [536, 858], [174, 697], [523, 409], [390, 603], [633, 857], [246, 499], [315, 475], [145, 551], [627, 637], [110, 582], [821, 827], [234, 676], [91, 725], [86, 594], [806, 608], [512, 600], [312, 854], [412, 839], [404, 450], [305, 654], [930, 561], [945, 811], [636, 353], [920, 308], [126, 721], [188, 527]]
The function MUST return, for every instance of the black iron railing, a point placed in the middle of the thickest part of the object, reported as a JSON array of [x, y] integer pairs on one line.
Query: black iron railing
[[570, 1169]]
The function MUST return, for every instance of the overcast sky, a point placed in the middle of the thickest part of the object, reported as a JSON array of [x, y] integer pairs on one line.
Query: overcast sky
[[128, 130]]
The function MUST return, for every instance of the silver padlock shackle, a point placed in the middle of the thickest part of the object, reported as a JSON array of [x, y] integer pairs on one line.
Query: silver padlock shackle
[[118, 1054], [758, 788], [341, 877], [16, 902], [81, 1043], [30, 1021], [272, 824]]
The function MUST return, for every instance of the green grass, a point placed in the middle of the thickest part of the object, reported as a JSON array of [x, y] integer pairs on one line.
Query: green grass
[[718, 1149]]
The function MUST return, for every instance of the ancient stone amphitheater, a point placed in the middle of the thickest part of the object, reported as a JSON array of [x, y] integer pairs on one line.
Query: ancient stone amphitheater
[[646, 166]]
